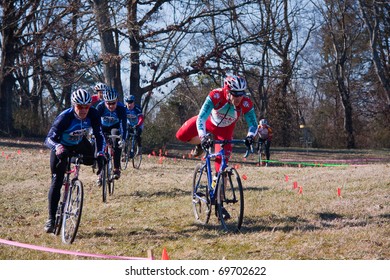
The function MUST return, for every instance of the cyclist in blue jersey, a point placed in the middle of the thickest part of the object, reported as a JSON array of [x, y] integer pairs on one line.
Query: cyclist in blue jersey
[[135, 119], [68, 133], [114, 122]]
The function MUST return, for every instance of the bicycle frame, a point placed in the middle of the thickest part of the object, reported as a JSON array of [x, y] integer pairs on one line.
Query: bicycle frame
[[223, 165]]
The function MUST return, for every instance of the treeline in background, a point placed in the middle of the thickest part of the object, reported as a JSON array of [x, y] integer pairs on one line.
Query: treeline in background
[[318, 70]]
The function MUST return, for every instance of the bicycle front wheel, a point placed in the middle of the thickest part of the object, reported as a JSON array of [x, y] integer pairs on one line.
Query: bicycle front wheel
[[200, 195], [137, 158], [230, 201], [73, 210], [110, 178]]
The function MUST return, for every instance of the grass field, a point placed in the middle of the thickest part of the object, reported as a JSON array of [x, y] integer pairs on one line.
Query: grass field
[[151, 208]]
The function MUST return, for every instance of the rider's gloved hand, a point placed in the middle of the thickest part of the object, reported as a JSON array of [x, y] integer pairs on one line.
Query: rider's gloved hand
[[249, 141], [120, 144], [206, 142], [61, 151], [101, 159]]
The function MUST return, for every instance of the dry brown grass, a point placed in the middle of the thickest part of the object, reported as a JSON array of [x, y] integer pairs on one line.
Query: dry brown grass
[[151, 209]]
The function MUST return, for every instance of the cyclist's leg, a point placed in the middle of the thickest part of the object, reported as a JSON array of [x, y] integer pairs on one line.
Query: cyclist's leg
[[117, 153], [267, 149], [224, 133], [58, 168]]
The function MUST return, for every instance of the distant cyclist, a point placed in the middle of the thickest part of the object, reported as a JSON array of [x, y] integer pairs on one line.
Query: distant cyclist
[[135, 118], [68, 133], [114, 122], [264, 131], [100, 88]]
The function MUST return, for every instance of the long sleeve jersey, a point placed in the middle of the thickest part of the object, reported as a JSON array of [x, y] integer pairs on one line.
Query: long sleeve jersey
[[222, 113], [115, 119], [68, 130]]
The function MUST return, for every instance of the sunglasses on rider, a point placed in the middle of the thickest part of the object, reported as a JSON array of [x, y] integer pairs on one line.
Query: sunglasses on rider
[[111, 103], [131, 101], [237, 93], [80, 106]]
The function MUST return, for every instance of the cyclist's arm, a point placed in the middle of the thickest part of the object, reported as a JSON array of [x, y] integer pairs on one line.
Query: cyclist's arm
[[204, 113], [139, 115], [269, 133], [97, 130], [140, 120], [123, 122], [54, 135], [250, 118]]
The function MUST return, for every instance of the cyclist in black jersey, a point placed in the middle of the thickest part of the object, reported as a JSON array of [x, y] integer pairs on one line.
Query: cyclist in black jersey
[[68, 133]]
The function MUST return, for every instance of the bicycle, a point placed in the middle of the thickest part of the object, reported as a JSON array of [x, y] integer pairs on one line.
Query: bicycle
[[107, 170], [225, 191], [70, 207], [132, 150]]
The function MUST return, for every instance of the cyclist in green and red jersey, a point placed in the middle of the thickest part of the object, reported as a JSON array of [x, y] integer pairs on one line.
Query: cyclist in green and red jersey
[[218, 116]]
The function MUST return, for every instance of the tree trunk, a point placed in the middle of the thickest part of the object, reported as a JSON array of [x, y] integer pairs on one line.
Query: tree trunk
[[7, 79], [110, 47], [135, 88]]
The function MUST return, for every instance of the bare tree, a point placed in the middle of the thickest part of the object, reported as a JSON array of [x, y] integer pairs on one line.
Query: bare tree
[[109, 40], [376, 15]]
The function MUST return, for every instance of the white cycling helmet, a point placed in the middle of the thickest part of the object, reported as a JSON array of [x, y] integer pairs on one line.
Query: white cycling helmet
[[236, 85], [101, 86], [110, 95], [81, 96], [263, 121]]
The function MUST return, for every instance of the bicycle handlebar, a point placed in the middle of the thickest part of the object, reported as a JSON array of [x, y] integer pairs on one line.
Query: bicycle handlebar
[[249, 149]]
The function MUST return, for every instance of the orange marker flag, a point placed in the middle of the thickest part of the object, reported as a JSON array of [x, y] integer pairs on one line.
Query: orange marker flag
[[339, 192], [286, 178], [165, 254], [244, 177], [295, 185], [19, 152], [300, 190]]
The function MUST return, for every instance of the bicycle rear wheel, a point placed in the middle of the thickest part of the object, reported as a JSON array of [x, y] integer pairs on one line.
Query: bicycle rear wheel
[[200, 195], [137, 158], [103, 176], [230, 201], [73, 210], [125, 154]]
